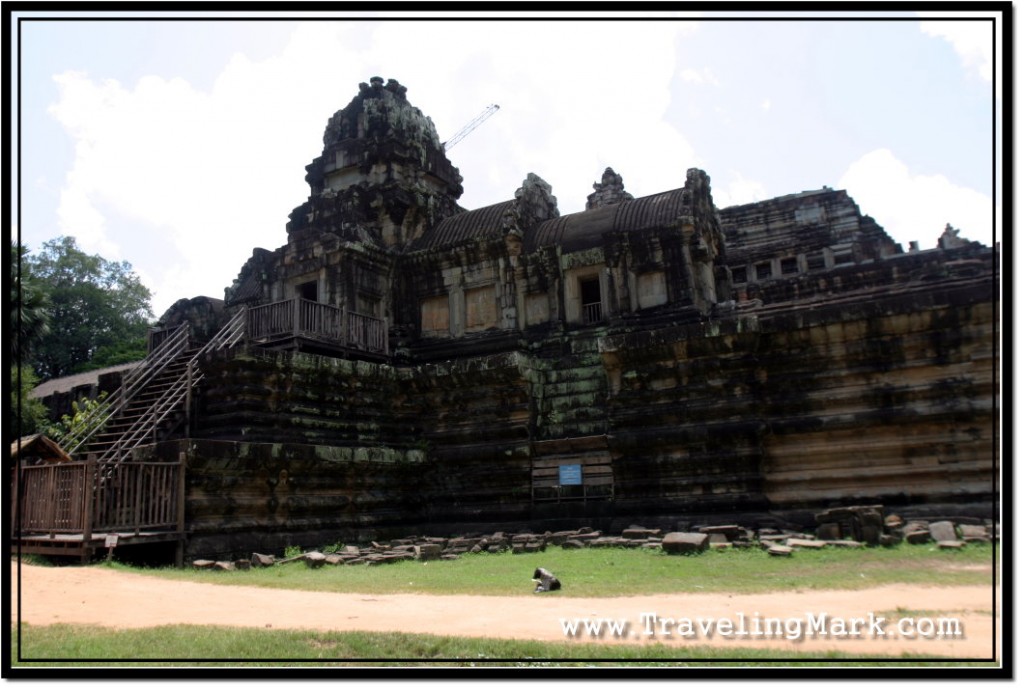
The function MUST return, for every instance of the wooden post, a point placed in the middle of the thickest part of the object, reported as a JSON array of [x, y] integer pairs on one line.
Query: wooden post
[[179, 552], [297, 317], [136, 519], [89, 491]]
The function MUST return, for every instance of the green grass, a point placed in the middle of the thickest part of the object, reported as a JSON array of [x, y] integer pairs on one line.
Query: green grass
[[609, 572], [193, 646]]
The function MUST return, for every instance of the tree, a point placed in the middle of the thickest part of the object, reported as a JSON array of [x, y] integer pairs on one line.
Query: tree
[[30, 304], [98, 308]]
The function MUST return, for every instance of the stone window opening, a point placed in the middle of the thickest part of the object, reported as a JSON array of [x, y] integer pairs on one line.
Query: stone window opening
[[308, 291], [764, 270], [590, 299], [789, 265], [739, 274]]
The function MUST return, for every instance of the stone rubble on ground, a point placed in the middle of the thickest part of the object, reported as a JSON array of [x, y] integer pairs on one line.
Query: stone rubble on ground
[[846, 527]]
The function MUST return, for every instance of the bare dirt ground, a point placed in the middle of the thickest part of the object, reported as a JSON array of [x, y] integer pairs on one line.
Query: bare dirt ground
[[98, 596]]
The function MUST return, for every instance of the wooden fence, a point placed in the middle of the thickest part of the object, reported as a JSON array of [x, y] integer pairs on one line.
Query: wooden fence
[[304, 318], [82, 499]]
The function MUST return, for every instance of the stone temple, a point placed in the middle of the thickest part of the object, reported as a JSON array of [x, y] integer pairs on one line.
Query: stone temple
[[402, 365]]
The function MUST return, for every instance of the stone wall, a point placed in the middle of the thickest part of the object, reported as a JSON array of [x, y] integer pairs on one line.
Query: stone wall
[[802, 398]]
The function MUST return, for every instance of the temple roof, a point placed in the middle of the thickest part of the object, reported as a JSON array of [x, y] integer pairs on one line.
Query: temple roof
[[479, 224], [585, 229]]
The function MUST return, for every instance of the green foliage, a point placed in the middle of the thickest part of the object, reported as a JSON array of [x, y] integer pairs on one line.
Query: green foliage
[[80, 421], [99, 311], [28, 415]]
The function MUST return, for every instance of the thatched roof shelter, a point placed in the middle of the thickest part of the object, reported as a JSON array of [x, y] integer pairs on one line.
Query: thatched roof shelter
[[38, 448]]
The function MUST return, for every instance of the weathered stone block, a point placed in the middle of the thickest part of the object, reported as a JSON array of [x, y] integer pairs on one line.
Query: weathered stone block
[[828, 531], [684, 543], [258, 559], [729, 532], [315, 560], [780, 551], [805, 544], [943, 531], [917, 537], [973, 531]]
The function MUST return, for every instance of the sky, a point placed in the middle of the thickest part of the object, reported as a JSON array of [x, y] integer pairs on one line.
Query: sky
[[180, 145]]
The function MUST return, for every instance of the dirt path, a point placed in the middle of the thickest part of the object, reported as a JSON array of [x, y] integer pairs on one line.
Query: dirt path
[[84, 595]]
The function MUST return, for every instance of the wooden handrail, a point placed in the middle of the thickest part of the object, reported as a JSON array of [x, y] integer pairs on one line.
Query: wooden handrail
[[300, 317], [131, 383]]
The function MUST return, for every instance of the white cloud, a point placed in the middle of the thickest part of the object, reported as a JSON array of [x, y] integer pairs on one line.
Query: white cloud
[[218, 171], [701, 77], [972, 41], [914, 206], [737, 190]]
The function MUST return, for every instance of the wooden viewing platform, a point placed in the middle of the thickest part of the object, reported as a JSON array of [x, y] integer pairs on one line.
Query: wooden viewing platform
[[77, 508], [307, 325]]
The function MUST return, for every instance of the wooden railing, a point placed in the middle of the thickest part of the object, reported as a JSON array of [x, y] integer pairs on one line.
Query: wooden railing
[[306, 318], [591, 313], [78, 499], [170, 346]]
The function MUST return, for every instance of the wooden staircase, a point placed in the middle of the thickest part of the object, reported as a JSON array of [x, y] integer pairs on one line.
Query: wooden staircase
[[153, 399]]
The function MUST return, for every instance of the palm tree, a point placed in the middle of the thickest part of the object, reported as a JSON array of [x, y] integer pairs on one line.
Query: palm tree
[[30, 308]]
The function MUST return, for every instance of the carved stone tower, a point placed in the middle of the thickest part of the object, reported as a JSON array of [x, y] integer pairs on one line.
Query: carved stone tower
[[383, 175]]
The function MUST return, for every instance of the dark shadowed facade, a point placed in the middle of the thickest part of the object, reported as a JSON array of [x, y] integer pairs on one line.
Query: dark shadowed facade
[[406, 365]]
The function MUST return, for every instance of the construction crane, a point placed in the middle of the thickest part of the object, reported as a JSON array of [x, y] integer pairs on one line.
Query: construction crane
[[461, 134]]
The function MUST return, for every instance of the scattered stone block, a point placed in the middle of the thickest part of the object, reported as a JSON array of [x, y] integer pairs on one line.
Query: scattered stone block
[[203, 564], [243, 564], [573, 544], [973, 531], [637, 533], [828, 531], [224, 565], [684, 543], [335, 559], [805, 544], [315, 560], [950, 544], [943, 531], [917, 537], [258, 559], [780, 551], [428, 551], [729, 532]]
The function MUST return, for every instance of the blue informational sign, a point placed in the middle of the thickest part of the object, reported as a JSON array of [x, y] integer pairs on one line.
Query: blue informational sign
[[570, 474]]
